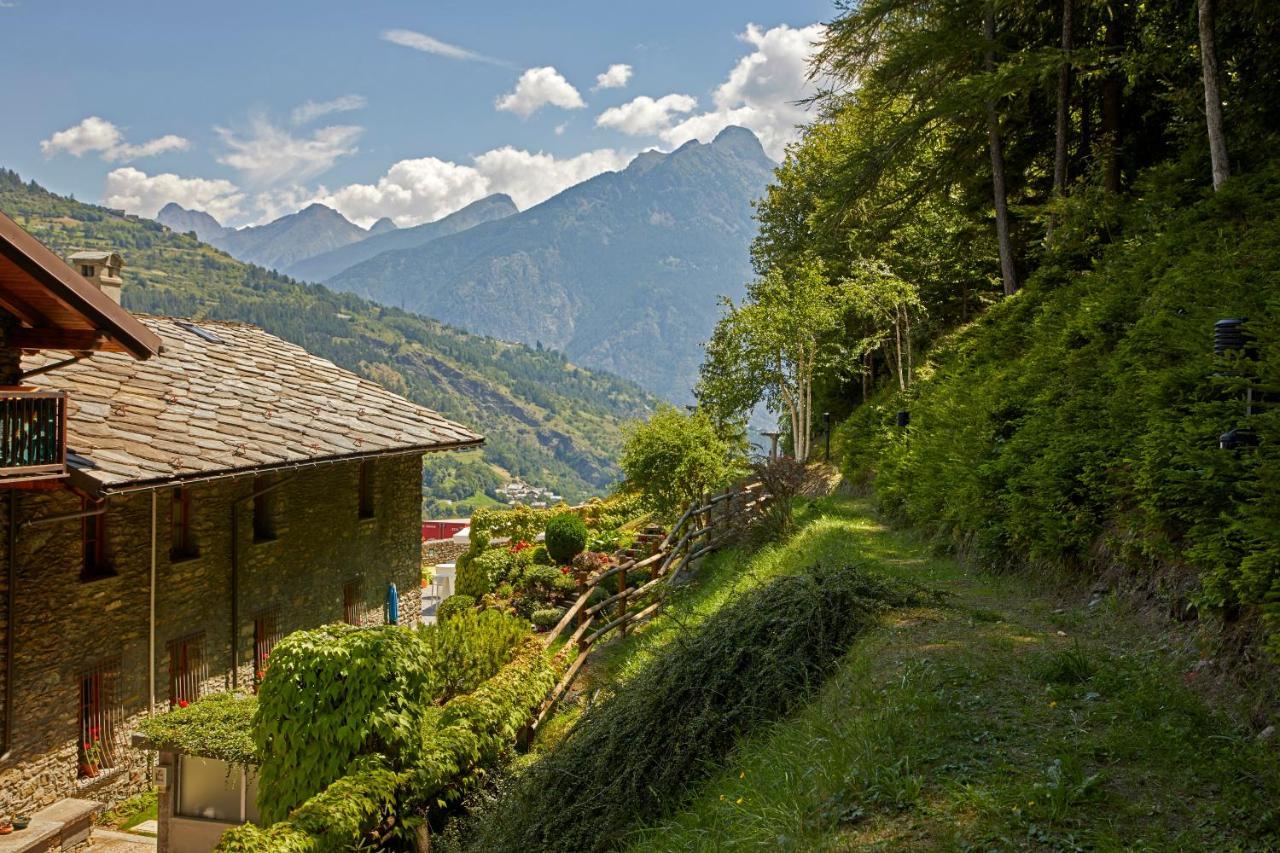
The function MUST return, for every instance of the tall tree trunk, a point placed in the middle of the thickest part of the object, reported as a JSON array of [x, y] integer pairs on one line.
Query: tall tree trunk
[[1112, 96], [1063, 125], [1007, 272], [1212, 97]]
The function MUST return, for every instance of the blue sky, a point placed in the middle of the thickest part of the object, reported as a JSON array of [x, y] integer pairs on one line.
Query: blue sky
[[252, 110]]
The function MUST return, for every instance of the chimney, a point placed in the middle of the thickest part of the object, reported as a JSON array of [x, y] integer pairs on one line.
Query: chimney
[[102, 269]]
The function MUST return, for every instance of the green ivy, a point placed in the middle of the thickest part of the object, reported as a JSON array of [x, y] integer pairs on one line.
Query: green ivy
[[217, 726]]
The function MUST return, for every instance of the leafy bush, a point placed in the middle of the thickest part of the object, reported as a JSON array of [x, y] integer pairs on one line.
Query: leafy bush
[[454, 605], [217, 726], [469, 732], [675, 458], [470, 647], [641, 752], [332, 694], [540, 556], [547, 618], [540, 581], [479, 574], [566, 537]]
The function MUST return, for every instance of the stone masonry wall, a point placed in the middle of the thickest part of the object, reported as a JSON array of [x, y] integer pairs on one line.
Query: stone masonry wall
[[65, 625]]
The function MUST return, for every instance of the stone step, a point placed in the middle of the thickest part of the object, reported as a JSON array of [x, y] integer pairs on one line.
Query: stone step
[[62, 825]]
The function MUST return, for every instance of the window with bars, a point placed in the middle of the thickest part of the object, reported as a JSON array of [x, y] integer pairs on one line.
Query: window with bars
[[93, 540], [101, 714], [181, 544], [366, 504], [351, 603], [266, 633], [264, 510], [188, 669]]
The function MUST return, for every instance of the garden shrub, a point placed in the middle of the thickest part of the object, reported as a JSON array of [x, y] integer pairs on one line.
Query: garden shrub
[[566, 537], [547, 617], [481, 573], [640, 753], [219, 725], [469, 732], [332, 694], [454, 605], [470, 647], [675, 458], [540, 581], [540, 556]]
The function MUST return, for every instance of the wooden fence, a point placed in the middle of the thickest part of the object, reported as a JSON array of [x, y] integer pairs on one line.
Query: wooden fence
[[706, 525]]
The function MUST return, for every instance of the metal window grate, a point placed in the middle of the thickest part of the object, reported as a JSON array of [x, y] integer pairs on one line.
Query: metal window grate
[[101, 716], [266, 633], [188, 669]]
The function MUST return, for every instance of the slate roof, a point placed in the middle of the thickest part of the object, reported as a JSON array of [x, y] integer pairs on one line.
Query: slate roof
[[223, 398]]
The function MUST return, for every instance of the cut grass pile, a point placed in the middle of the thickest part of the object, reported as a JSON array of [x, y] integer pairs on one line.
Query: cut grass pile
[[757, 657]]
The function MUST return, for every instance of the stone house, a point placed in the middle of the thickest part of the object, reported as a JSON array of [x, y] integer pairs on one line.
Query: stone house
[[219, 490]]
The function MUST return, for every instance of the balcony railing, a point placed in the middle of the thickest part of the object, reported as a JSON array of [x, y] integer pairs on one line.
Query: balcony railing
[[33, 434]]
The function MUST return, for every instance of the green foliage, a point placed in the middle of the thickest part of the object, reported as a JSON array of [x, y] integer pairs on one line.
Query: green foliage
[[566, 537], [469, 647], [1078, 423], [469, 732], [675, 458], [496, 387], [541, 582], [547, 618], [216, 726], [641, 752], [454, 605], [335, 693], [540, 556]]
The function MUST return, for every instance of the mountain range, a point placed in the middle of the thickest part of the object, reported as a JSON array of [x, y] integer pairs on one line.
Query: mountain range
[[545, 419], [622, 272]]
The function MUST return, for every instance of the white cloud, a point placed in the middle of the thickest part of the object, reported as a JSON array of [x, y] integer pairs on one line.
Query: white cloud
[[537, 88], [645, 116], [761, 91], [269, 154], [424, 189], [95, 134], [312, 110], [143, 194], [614, 78], [427, 44]]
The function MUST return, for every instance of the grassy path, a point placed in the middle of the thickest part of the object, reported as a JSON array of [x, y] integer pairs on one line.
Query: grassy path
[[1005, 720]]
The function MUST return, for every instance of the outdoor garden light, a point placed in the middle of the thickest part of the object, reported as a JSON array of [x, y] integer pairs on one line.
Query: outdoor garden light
[[1238, 438], [904, 418], [826, 428], [1231, 337]]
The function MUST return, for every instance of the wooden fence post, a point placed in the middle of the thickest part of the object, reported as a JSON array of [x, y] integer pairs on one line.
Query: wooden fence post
[[622, 603]]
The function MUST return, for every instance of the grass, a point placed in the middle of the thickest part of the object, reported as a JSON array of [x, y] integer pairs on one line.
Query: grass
[[1008, 719], [131, 812]]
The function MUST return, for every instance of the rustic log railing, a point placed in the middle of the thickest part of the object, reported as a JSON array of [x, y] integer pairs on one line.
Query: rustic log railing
[[706, 525], [33, 434]]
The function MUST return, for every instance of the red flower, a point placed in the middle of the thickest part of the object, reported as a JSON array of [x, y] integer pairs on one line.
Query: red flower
[[182, 703], [564, 570]]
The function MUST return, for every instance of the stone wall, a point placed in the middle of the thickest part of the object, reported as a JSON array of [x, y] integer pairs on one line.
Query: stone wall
[[436, 551], [66, 625]]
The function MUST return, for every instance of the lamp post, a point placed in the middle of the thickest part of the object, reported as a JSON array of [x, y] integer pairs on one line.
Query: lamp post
[[826, 427]]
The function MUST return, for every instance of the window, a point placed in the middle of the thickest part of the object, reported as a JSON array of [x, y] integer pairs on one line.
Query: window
[[351, 603], [100, 715], [86, 271], [187, 669], [264, 511], [93, 541], [266, 633], [366, 489], [181, 545]]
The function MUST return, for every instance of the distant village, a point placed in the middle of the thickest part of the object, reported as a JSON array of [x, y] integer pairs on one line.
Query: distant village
[[518, 492]]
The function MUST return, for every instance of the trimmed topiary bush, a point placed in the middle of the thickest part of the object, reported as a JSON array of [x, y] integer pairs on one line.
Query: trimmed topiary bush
[[566, 538], [454, 605]]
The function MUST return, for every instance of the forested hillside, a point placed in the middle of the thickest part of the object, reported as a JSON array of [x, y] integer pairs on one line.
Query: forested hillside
[[544, 418], [999, 255]]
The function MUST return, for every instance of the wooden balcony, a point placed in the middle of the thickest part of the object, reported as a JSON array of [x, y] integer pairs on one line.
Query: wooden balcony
[[33, 435]]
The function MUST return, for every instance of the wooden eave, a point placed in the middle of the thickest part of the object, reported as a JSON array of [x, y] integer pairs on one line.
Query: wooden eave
[[57, 307]]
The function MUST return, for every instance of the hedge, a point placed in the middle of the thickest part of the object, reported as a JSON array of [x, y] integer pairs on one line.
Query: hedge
[[217, 726], [472, 730]]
